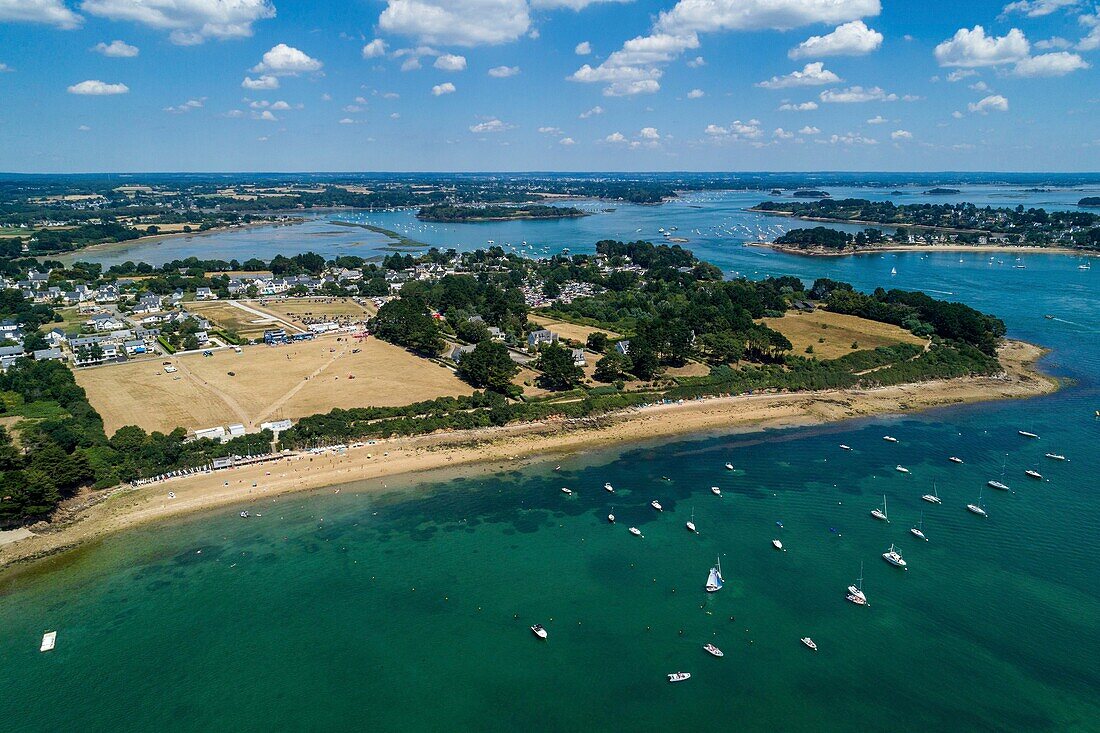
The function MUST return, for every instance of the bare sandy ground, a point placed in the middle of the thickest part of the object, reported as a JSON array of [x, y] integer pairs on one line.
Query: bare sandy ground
[[95, 515]]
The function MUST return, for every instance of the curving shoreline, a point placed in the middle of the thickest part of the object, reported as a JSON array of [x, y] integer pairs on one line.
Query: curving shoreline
[[95, 515]]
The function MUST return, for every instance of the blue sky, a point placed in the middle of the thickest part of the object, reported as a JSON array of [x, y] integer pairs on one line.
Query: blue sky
[[570, 85]]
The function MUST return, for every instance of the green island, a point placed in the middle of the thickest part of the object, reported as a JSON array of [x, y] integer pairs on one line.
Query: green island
[[927, 224], [660, 325], [1090, 201], [452, 213]]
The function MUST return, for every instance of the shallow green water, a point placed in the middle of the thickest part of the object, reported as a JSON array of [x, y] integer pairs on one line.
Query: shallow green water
[[410, 610]]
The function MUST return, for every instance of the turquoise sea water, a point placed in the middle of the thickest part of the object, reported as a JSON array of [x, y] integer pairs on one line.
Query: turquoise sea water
[[409, 608]]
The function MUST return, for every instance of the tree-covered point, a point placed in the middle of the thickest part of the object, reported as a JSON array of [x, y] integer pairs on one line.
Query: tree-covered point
[[1090, 201], [454, 213], [1014, 225], [826, 238]]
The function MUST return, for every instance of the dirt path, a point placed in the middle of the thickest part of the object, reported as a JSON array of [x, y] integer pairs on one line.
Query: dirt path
[[229, 402], [265, 315], [267, 411]]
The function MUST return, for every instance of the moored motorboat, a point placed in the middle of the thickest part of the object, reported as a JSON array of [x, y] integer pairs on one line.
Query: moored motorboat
[[901, 469], [845, 447], [777, 544], [1034, 474], [635, 531], [894, 557], [609, 488], [715, 490], [809, 643], [611, 518], [713, 650], [1026, 434], [539, 631], [679, 676], [729, 466], [1056, 456], [245, 515], [656, 505], [998, 485], [955, 459], [889, 439], [567, 492]]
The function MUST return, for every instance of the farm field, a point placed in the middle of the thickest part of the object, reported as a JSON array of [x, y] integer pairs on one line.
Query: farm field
[[268, 383], [569, 330], [838, 332]]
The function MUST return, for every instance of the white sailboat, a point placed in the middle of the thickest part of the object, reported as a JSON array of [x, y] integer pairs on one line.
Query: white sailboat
[[714, 580], [889, 439], [880, 514], [977, 508], [1034, 474], [656, 505], [1001, 485], [955, 459], [918, 531], [934, 497], [855, 592], [1026, 434], [691, 522], [1055, 456]]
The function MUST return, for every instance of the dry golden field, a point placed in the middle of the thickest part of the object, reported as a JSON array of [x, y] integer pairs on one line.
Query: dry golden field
[[300, 310], [569, 330], [832, 334], [268, 383], [225, 315]]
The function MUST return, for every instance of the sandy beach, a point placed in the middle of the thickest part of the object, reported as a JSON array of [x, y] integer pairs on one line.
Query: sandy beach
[[96, 514]]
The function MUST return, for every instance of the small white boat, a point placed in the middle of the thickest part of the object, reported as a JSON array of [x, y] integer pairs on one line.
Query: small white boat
[[894, 557], [538, 631], [934, 497], [611, 518], [566, 491], [901, 469], [809, 643], [715, 490], [845, 447], [955, 459], [690, 524], [889, 439], [1001, 485], [713, 650], [679, 676], [880, 514], [855, 592], [245, 515], [1026, 434], [1034, 474], [918, 531], [635, 531], [656, 505], [1056, 456], [729, 466], [609, 488], [714, 580], [777, 544], [49, 641]]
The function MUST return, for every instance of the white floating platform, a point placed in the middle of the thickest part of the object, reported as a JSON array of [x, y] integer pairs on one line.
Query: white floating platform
[[49, 640]]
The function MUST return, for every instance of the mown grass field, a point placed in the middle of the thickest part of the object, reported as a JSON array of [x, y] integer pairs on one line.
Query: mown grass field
[[832, 334]]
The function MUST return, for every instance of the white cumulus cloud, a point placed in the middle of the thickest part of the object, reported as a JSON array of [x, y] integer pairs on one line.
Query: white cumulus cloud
[[450, 62], [857, 94], [583, 48], [265, 81], [374, 49], [445, 88], [189, 21], [876, 120], [597, 110], [95, 87], [503, 72], [850, 39], [798, 107], [1038, 8], [615, 137], [116, 49], [809, 130], [813, 74], [457, 22], [48, 12], [901, 135], [1058, 63], [972, 48], [284, 60], [994, 103], [696, 94]]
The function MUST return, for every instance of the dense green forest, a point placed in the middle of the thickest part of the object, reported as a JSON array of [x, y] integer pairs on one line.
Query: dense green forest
[[452, 213]]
